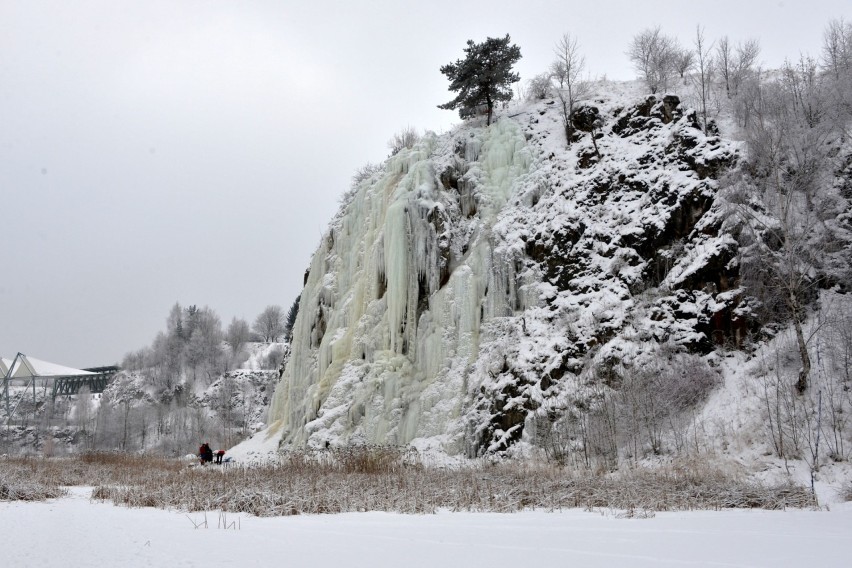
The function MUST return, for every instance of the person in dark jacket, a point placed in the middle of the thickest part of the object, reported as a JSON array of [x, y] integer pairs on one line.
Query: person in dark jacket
[[205, 453]]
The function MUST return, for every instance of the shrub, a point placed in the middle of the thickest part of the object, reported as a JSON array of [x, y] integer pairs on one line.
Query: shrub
[[274, 358], [405, 138], [539, 87], [365, 172]]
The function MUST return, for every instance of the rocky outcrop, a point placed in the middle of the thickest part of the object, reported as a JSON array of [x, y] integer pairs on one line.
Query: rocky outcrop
[[487, 271]]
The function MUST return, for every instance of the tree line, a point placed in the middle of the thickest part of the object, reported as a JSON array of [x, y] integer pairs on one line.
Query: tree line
[[195, 345], [186, 387]]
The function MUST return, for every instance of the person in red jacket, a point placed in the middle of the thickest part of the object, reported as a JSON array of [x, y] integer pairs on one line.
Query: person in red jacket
[[205, 454]]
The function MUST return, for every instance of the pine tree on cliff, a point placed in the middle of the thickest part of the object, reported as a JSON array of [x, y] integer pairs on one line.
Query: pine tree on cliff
[[483, 78]]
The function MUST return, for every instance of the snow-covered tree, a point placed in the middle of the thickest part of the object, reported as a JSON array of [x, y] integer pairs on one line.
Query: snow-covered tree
[[204, 349], [705, 68], [270, 323], [126, 393], [684, 61], [735, 64], [238, 335], [790, 235], [174, 323], [224, 403], [539, 87], [655, 57], [836, 63]]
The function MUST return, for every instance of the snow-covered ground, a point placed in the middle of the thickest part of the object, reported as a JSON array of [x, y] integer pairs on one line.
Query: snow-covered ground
[[258, 353], [77, 532]]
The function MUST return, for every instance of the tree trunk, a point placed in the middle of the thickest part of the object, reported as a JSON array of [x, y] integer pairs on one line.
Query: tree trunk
[[802, 382], [595, 144], [124, 434]]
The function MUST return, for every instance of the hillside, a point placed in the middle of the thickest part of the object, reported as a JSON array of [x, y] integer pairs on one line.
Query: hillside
[[492, 289], [146, 409]]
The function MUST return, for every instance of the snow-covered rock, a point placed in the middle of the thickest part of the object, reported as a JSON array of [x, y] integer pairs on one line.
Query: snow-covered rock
[[482, 280]]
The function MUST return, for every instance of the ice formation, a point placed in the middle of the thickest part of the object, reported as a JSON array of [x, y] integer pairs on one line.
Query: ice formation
[[460, 291], [395, 298]]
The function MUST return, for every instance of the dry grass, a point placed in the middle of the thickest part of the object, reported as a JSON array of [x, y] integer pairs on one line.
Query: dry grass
[[386, 479], [846, 492], [383, 479], [18, 483], [38, 478]]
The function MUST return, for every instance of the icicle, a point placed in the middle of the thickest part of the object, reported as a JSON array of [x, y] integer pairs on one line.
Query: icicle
[[397, 260], [472, 149]]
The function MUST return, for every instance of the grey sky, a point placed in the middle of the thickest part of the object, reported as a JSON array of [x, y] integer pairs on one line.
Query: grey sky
[[194, 151]]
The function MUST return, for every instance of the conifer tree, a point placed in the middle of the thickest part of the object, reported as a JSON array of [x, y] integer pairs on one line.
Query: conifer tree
[[291, 319], [483, 77]]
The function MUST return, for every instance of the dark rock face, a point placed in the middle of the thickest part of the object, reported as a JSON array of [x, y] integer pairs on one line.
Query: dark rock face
[[450, 178], [642, 115], [668, 108], [553, 252], [643, 219], [586, 118]]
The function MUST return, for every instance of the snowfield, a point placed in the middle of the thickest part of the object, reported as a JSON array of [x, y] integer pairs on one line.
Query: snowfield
[[75, 531]]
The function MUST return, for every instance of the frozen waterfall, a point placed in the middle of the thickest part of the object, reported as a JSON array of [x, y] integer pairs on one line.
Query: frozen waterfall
[[390, 319]]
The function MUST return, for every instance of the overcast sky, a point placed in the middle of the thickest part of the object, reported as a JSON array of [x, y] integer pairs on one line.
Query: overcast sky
[[194, 151]]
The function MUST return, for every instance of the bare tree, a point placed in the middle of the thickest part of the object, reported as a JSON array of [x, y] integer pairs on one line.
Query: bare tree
[[746, 61], [837, 48], [724, 58], [839, 384], [125, 392], [804, 91], [749, 99], [655, 57], [781, 205], [135, 360], [705, 69], [684, 61], [83, 416], [736, 63], [567, 71], [837, 64], [365, 172], [270, 323], [224, 403]]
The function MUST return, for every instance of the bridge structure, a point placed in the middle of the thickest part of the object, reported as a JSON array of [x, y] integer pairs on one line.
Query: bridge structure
[[63, 380]]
